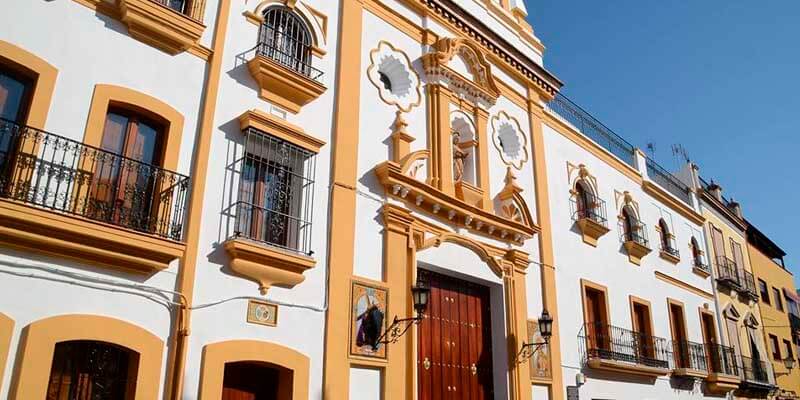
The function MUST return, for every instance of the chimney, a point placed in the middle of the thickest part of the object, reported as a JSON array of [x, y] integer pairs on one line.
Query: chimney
[[736, 208], [715, 190]]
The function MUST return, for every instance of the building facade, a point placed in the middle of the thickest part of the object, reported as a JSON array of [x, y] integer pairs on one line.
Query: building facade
[[216, 199], [778, 304], [736, 293]]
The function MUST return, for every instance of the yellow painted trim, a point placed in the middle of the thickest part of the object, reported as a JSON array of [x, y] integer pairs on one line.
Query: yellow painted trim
[[627, 368], [665, 198], [672, 302], [546, 254], [111, 10], [282, 86], [279, 128], [6, 331], [92, 242], [683, 285], [400, 22], [636, 251], [379, 85], [590, 146], [632, 300], [587, 284], [216, 355], [176, 358], [344, 175], [106, 96], [267, 265], [39, 339], [160, 26], [38, 69]]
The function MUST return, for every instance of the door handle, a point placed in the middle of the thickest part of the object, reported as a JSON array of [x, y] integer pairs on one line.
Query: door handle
[[474, 369], [426, 364]]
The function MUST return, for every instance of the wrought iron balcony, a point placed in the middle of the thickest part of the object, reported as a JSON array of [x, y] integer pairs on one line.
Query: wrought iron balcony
[[594, 209], [747, 284], [287, 51], [754, 370], [668, 246], [668, 181], [638, 234], [727, 272], [689, 355], [58, 174], [612, 343], [722, 359], [592, 128]]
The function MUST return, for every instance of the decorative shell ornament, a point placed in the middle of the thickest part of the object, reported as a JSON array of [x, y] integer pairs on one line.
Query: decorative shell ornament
[[390, 71], [509, 140]]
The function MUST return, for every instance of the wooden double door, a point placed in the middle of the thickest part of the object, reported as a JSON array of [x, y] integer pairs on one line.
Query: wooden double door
[[454, 355]]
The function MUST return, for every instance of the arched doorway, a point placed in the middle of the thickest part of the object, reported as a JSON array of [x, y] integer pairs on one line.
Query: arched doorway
[[253, 380], [89, 370]]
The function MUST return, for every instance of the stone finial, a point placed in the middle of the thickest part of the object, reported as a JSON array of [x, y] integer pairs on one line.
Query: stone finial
[[401, 140]]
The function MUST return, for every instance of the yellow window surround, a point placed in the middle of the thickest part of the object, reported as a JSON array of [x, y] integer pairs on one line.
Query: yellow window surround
[[160, 26]]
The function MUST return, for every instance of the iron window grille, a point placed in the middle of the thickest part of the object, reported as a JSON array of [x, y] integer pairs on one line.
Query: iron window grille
[[589, 206], [90, 370], [275, 200], [55, 173], [285, 39], [668, 244]]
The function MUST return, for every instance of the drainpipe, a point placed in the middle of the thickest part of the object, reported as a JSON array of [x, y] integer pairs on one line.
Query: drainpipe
[[188, 264]]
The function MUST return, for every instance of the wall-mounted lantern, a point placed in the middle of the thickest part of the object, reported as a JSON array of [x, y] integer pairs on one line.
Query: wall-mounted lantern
[[398, 328], [546, 330]]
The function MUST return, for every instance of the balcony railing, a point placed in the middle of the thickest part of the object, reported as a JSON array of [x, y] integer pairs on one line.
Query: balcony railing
[[670, 247], [594, 209], [668, 181], [57, 174], [637, 234], [700, 265], [617, 344], [689, 355], [287, 51], [754, 370], [747, 284], [722, 359], [592, 128], [189, 8], [727, 271]]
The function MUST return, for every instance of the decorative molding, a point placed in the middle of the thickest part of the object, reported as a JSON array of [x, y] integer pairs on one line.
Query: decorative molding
[[683, 285], [160, 26], [591, 231], [387, 62], [38, 70], [6, 333], [512, 203], [279, 128], [582, 174], [627, 368], [315, 20], [267, 265], [87, 241], [282, 86], [719, 383], [636, 251], [509, 140], [438, 66], [450, 209], [479, 249], [401, 140], [262, 313]]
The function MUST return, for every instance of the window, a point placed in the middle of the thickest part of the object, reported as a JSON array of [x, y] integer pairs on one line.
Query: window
[[776, 293], [679, 336], [642, 328], [764, 291], [776, 349], [14, 96], [788, 346], [697, 253], [89, 370], [124, 179], [596, 318], [633, 229], [736, 250], [284, 38], [275, 192], [667, 239]]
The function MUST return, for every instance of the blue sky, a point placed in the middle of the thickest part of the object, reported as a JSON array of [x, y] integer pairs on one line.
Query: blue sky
[[720, 77]]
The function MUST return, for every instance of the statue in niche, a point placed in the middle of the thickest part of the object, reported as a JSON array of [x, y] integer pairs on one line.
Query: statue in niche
[[459, 155]]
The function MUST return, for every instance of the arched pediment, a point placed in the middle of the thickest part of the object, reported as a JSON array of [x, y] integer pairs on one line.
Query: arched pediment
[[479, 249], [730, 312], [461, 64], [314, 20]]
